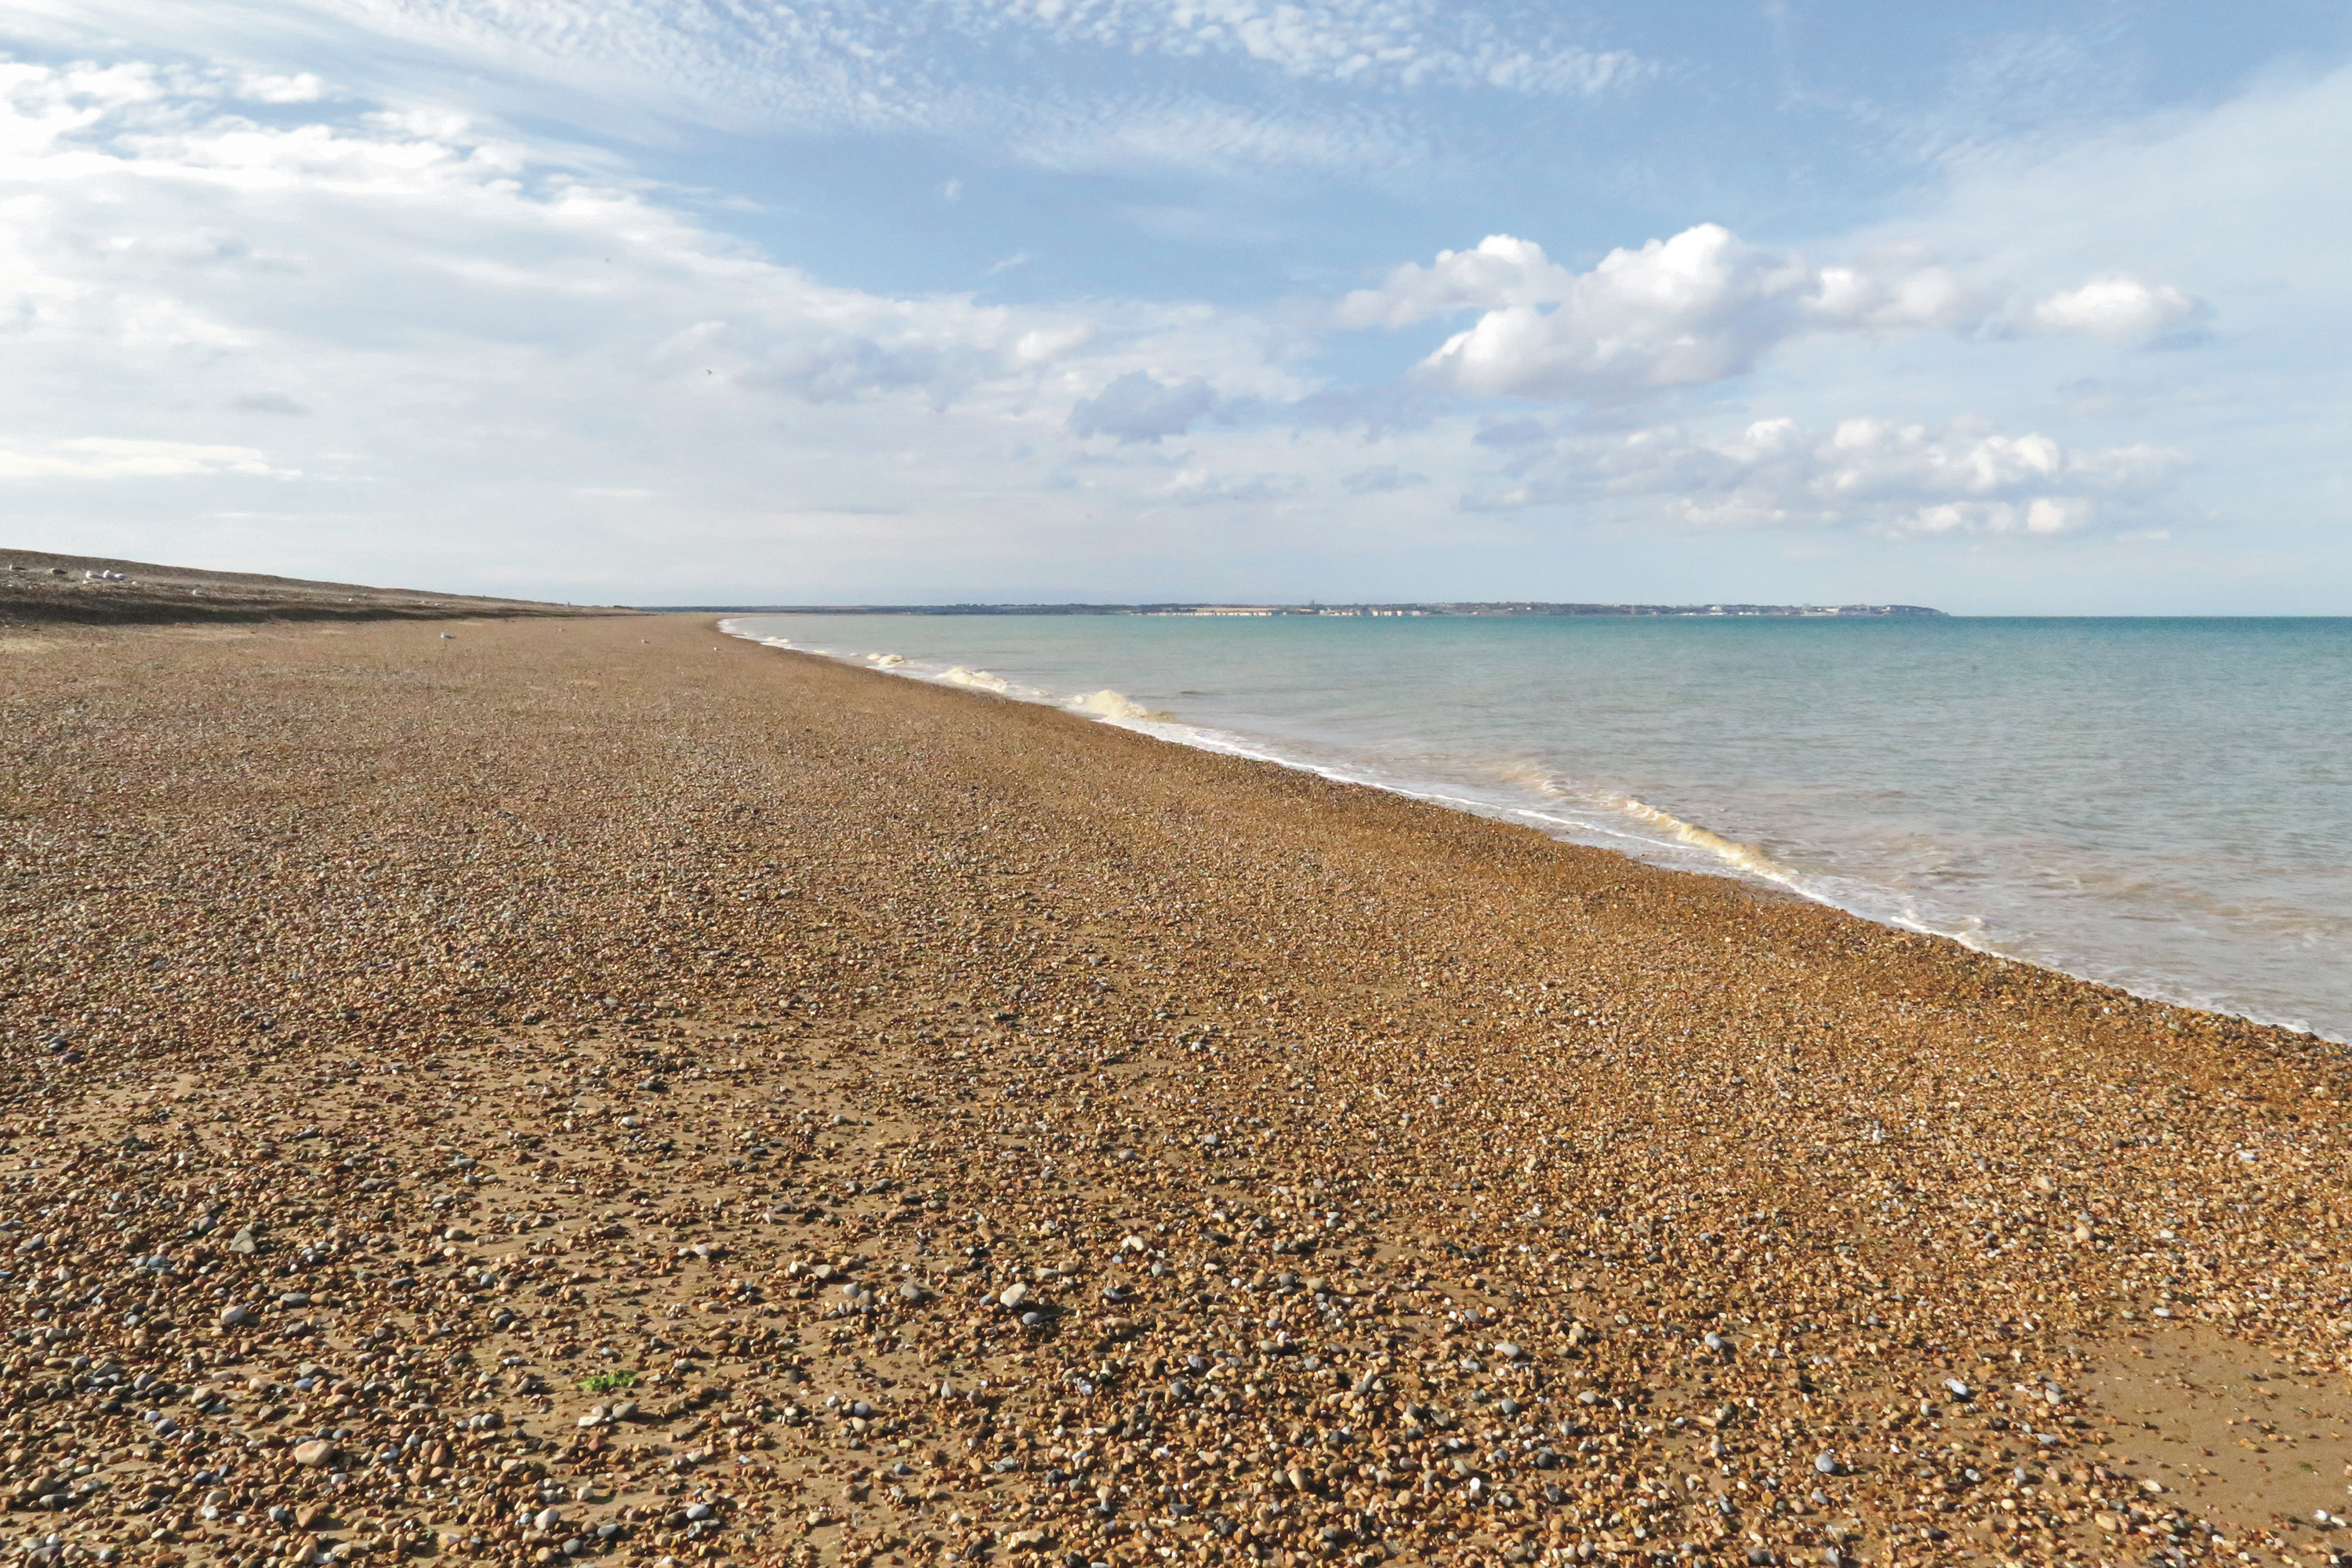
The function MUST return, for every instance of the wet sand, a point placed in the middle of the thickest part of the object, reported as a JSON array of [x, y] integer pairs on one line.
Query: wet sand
[[602, 1088]]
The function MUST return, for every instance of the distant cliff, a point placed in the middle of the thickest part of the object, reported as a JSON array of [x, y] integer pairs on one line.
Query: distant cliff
[[41, 586]]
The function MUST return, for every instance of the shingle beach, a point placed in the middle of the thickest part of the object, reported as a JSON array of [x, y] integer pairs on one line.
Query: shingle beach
[[504, 1091]]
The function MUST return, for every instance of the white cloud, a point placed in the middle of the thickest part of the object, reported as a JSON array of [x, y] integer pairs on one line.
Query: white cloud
[[118, 458], [1039, 345], [1701, 307], [1407, 43], [1499, 271], [2118, 307], [1411, 42], [1870, 475], [481, 341], [299, 87], [1199, 487], [1192, 133], [154, 229]]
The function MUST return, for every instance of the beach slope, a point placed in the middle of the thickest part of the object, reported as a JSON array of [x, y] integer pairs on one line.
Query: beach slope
[[600, 1089]]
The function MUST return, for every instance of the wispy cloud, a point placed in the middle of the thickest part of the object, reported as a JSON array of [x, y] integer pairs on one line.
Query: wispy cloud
[[120, 457], [1140, 83]]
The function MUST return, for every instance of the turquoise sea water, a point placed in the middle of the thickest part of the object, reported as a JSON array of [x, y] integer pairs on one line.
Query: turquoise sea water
[[2164, 805]]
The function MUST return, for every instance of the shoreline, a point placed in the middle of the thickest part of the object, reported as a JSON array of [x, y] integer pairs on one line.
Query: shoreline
[[1730, 857], [1176, 1156]]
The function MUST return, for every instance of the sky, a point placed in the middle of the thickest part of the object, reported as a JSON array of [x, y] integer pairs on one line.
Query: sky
[[2001, 308]]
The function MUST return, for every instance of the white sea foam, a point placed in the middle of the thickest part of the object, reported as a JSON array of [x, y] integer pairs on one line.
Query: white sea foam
[[885, 660], [1107, 704], [981, 679]]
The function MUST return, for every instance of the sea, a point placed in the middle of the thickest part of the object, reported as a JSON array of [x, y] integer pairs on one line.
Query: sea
[[2159, 804]]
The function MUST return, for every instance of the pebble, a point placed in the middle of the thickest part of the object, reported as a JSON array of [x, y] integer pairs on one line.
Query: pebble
[[777, 1010]]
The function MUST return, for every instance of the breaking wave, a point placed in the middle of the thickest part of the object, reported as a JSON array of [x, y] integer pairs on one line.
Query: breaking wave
[[1115, 706], [1107, 704]]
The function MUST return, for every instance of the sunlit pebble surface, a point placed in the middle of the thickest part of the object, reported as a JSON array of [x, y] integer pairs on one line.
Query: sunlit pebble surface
[[981, 1133]]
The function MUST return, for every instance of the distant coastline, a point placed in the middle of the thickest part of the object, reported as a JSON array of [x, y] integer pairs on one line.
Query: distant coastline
[[1502, 608]]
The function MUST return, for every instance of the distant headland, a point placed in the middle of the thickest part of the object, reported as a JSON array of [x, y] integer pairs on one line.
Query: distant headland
[[1509, 607]]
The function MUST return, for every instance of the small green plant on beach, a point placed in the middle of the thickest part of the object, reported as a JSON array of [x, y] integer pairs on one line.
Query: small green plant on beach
[[607, 1382]]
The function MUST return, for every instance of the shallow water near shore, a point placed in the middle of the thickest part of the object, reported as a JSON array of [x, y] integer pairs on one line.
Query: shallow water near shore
[[2163, 804]]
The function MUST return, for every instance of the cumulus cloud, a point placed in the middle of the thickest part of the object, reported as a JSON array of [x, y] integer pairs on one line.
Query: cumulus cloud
[[2118, 307], [1138, 407], [1700, 307], [299, 87], [1876, 476], [1500, 269]]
